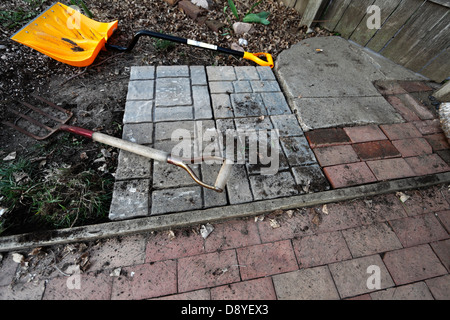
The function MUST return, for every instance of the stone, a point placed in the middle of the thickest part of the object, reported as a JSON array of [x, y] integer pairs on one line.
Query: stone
[[242, 27], [190, 9]]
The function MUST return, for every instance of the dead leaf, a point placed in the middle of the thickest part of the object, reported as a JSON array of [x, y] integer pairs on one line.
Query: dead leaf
[[259, 218], [290, 213], [403, 197], [325, 209], [274, 223], [316, 219], [171, 235]]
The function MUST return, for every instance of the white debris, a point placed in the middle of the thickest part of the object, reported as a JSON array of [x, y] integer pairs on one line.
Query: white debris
[[11, 156], [403, 197], [116, 272], [17, 257], [206, 230], [274, 224]]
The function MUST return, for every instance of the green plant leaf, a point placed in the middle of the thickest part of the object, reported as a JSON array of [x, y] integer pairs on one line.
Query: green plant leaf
[[233, 8], [257, 18], [253, 7]]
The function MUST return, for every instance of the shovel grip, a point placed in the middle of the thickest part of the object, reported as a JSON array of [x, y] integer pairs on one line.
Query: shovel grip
[[254, 57]]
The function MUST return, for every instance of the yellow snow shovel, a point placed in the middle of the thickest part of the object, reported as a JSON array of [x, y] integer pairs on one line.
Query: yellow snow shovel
[[66, 35]]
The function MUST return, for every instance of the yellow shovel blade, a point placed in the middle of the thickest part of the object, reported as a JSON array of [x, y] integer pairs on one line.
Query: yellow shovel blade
[[66, 35]]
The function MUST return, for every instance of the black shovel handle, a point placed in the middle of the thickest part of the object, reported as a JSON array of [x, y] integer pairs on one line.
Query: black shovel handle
[[158, 35]]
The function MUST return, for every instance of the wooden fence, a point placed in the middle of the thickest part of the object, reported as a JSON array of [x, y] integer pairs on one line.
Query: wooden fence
[[412, 33]]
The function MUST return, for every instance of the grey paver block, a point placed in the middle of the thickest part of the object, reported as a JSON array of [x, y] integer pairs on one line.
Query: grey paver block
[[140, 90], [247, 105], [174, 113], [140, 133], [246, 73], [198, 75], [268, 163], [138, 111], [253, 123], [281, 184], [221, 87], [130, 199], [351, 276], [142, 73], [310, 178], [220, 73], [176, 200], [221, 106], [297, 151], [202, 102], [287, 125], [172, 71], [132, 166], [242, 87], [265, 86], [212, 198], [168, 176], [306, 284], [164, 130], [173, 92], [238, 186], [178, 148], [275, 103], [265, 73]]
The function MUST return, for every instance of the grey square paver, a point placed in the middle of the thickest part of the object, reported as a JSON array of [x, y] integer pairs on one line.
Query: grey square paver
[[172, 71], [138, 111], [297, 151], [140, 90], [132, 166], [247, 105], [220, 73], [130, 199], [176, 200], [173, 92], [168, 176], [140, 133], [265, 73], [202, 102], [142, 73], [310, 178], [265, 86], [287, 125], [198, 76], [278, 185], [275, 103], [221, 106], [174, 113], [247, 73]]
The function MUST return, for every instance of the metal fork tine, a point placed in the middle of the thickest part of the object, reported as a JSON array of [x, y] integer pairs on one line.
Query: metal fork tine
[[51, 104], [41, 112], [24, 116], [29, 119]]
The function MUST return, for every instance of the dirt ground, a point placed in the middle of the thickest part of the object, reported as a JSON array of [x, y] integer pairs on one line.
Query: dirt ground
[[96, 94]]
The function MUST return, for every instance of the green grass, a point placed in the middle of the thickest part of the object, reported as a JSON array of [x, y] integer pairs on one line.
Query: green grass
[[60, 197]]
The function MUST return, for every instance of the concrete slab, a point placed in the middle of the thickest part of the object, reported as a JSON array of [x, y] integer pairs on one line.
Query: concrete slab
[[334, 87]]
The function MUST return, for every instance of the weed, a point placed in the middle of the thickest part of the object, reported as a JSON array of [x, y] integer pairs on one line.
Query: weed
[[59, 197], [11, 19]]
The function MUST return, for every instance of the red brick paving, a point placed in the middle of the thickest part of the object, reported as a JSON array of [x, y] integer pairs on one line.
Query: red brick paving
[[316, 253], [416, 147], [346, 175], [376, 150]]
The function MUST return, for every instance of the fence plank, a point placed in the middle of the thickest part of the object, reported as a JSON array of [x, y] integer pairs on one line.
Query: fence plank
[[438, 69], [352, 17], [398, 18], [311, 12], [362, 34], [334, 13], [414, 35], [433, 42]]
